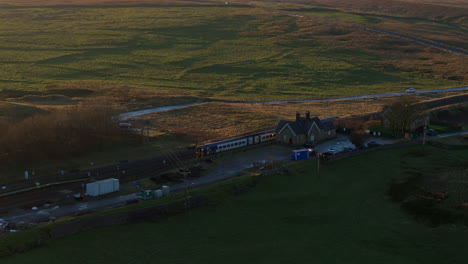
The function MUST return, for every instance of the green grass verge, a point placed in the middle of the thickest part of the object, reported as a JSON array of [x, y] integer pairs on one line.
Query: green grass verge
[[443, 129], [341, 215]]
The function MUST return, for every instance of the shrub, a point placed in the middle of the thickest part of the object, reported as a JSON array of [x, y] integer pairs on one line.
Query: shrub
[[71, 131]]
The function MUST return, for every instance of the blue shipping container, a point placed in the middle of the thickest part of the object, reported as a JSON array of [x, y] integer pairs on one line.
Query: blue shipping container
[[300, 154]]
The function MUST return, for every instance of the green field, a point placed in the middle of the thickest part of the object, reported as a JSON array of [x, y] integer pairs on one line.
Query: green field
[[341, 215], [206, 51]]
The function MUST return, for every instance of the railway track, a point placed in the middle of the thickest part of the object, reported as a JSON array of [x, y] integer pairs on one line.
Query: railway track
[[125, 171]]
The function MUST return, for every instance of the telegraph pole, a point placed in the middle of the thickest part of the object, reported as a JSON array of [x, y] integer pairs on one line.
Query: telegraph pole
[[318, 164], [185, 172], [424, 131]]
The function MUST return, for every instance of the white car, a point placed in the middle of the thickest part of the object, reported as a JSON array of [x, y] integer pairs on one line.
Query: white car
[[411, 90]]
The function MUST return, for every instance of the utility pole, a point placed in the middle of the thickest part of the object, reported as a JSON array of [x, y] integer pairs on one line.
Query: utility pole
[[424, 131], [318, 163], [185, 172]]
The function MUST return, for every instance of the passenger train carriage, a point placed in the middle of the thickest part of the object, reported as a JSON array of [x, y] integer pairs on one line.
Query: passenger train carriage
[[235, 143]]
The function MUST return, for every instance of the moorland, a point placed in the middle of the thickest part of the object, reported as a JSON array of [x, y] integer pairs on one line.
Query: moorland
[[140, 54]]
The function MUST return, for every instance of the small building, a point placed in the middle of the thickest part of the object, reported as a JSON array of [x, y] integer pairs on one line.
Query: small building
[[305, 129], [102, 187]]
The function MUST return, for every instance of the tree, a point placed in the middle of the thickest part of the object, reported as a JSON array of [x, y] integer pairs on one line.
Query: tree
[[358, 139], [401, 114]]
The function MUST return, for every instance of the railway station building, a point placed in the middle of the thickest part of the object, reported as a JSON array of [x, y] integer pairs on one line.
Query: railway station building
[[305, 129]]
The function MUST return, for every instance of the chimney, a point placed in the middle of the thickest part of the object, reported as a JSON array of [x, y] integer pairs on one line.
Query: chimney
[[298, 115], [308, 115]]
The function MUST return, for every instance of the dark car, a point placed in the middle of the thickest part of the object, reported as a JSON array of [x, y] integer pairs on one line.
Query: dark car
[[373, 144], [431, 132], [348, 149], [327, 155], [308, 145]]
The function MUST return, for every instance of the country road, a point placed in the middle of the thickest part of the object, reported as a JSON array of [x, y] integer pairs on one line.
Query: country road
[[388, 32], [418, 40], [132, 114]]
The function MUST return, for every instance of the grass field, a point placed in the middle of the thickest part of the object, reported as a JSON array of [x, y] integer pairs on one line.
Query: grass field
[[206, 51], [341, 215]]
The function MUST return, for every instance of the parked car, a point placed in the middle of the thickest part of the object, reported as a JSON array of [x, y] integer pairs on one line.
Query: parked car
[[308, 145], [327, 155], [411, 90], [432, 132], [348, 149], [335, 150], [373, 144]]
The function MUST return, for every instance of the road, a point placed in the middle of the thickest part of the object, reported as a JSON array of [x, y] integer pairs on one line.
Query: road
[[450, 134], [420, 41], [383, 31], [132, 114], [226, 167], [129, 115]]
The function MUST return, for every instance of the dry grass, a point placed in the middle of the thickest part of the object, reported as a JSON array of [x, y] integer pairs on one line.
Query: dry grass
[[442, 21], [92, 2], [404, 54], [216, 121], [408, 8]]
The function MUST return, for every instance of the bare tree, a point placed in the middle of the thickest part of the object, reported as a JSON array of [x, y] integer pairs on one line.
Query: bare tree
[[401, 114]]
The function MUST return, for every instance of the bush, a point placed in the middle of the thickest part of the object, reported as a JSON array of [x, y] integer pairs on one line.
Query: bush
[[59, 134], [23, 241]]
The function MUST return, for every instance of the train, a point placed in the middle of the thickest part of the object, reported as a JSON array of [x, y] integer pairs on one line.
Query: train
[[235, 143]]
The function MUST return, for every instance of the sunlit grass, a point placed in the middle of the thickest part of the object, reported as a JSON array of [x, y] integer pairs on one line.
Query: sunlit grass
[[211, 51]]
